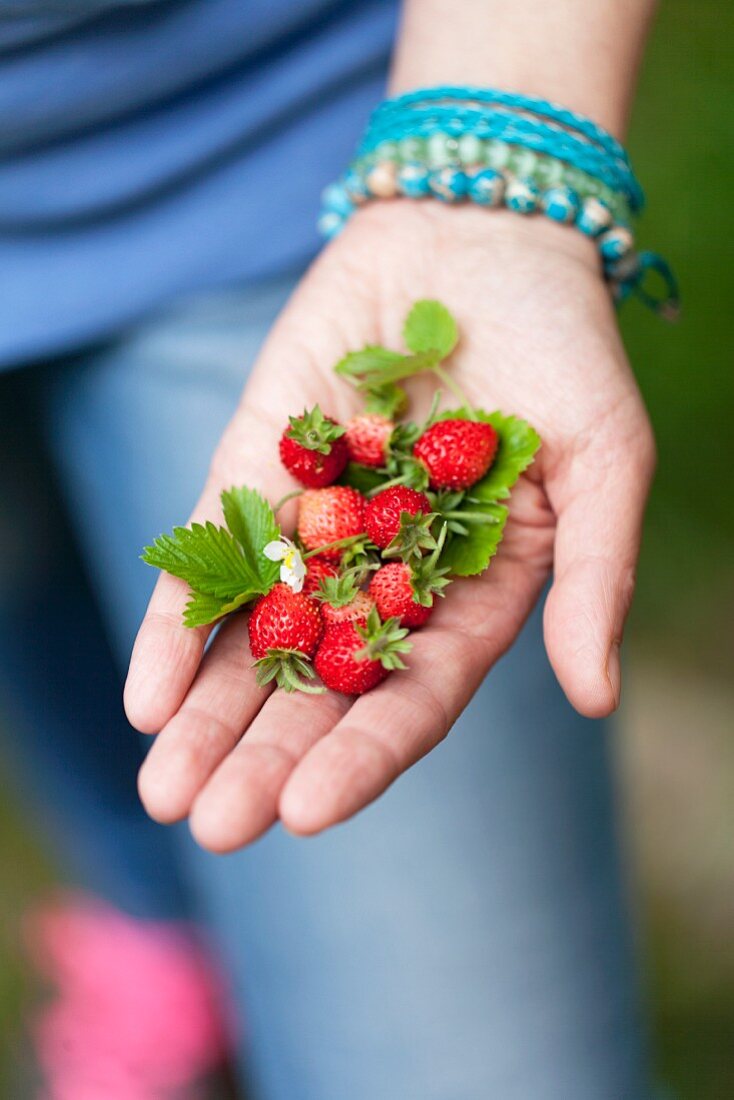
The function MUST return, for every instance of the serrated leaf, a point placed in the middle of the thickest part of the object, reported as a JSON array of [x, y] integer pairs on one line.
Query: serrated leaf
[[252, 522], [467, 555], [429, 327], [374, 369], [207, 557], [203, 609], [370, 360]]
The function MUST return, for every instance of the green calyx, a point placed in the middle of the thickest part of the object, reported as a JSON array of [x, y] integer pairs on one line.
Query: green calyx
[[314, 431], [413, 537], [339, 591], [426, 578], [384, 642], [289, 668]]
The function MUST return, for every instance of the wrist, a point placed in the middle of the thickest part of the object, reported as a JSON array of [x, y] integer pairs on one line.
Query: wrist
[[582, 53], [499, 234]]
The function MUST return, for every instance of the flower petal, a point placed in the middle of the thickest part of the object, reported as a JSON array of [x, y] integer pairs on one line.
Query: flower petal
[[275, 551]]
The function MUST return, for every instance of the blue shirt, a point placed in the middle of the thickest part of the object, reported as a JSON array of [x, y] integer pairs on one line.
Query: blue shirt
[[153, 148]]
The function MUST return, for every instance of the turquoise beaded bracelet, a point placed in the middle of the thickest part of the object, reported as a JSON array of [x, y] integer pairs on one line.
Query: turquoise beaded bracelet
[[497, 148]]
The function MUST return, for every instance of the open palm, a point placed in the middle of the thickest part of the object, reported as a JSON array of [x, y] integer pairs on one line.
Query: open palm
[[539, 339]]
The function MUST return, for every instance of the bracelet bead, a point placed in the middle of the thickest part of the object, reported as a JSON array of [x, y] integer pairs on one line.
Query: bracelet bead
[[382, 180], [471, 150], [593, 217], [335, 200], [439, 150], [562, 204], [355, 186], [414, 181], [487, 187], [448, 184], [521, 195], [497, 154], [330, 224], [615, 243]]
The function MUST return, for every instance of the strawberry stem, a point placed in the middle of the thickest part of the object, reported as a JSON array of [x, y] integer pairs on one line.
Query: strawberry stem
[[286, 498], [290, 680], [333, 546], [455, 388], [387, 485], [435, 555], [478, 517]]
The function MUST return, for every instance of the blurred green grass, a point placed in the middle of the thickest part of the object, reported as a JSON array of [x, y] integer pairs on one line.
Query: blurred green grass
[[681, 146], [681, 143]]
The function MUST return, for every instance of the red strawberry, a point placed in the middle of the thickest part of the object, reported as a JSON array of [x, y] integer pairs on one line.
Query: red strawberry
[[382, 513], [285, 628], [357, 610], [353, 658], [313, 449], [406, 593], [329, 515], [317, 569], [456, 453], [367, 437]]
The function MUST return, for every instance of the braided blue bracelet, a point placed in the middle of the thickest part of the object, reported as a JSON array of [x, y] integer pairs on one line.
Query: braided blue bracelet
[[493, 147]]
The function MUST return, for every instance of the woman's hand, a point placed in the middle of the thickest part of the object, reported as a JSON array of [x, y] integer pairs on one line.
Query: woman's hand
[[539, 339]]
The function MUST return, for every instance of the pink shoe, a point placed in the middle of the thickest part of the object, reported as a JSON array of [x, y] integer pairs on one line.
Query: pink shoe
[[138, 1012]]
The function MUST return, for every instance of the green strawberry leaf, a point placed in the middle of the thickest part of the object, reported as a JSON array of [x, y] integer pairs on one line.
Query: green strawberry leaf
[[252, 522], [374, 368], [208, 558], [429, 327], [372, 361], [202, 609], [469, 554]]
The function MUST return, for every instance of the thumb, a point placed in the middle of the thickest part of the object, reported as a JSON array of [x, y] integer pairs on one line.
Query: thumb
[[599, 507]]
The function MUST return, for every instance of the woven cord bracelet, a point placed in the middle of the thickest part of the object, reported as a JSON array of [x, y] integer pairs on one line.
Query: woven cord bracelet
[[493, 148]]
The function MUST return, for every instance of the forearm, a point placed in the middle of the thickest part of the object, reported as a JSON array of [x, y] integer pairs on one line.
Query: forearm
[[582, 53]]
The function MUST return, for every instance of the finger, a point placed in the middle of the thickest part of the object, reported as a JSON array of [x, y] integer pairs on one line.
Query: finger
[[223, 699], [600, 515], [240, 801], [389, 729], [167, 653]]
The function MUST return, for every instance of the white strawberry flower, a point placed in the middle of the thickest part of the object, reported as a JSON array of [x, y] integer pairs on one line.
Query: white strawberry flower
[[292, 568]]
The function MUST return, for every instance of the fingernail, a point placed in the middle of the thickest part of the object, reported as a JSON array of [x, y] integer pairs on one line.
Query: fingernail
[[614, 671]]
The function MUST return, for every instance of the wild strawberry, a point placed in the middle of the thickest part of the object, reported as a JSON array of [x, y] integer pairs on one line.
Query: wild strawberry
[[367, 438], [399, 520], [407, 592], [313, 449], [356, 611], [318, 568], [456, 453], [342, 600], [285, 628], [329, 515], [383, 512], [353, 658]]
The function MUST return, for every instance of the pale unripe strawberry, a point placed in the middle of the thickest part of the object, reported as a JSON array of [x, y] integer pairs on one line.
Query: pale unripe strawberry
[[329, 515], [367, 438]]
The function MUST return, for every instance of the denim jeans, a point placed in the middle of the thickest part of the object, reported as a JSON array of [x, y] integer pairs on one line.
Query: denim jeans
[[464, 938]]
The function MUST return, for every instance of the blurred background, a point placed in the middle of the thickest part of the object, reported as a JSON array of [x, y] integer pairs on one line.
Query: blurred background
[[675, 752]]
